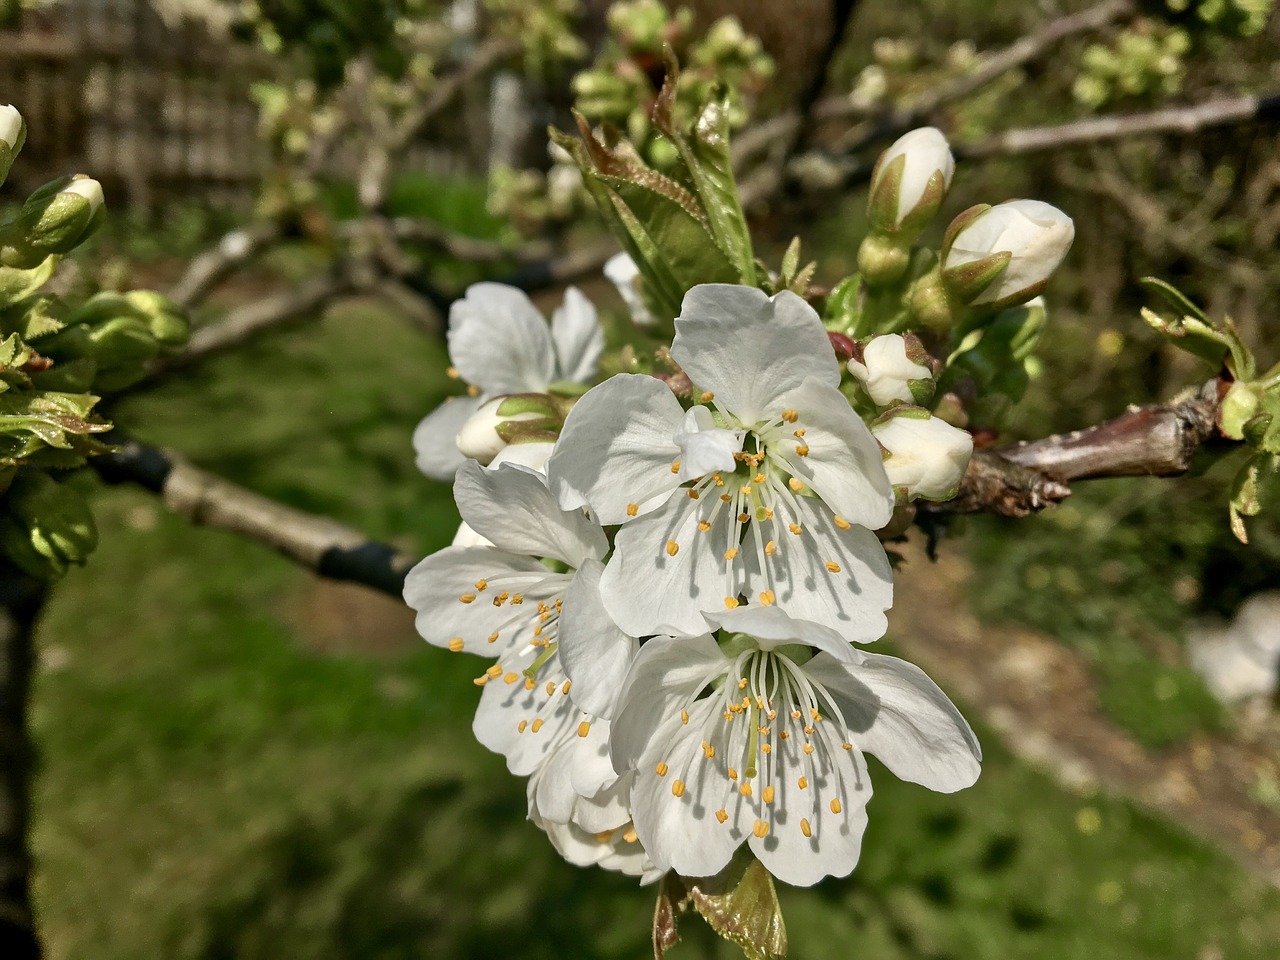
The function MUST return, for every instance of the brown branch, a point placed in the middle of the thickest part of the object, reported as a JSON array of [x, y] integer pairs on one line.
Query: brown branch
[[325, 546], [1154, 441], [214, 265], [992, 67], [1188, 119], [472, 249]]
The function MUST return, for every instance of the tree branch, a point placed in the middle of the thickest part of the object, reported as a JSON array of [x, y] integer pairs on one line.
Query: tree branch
[[214, 265], [1154, 441], [325, 546]]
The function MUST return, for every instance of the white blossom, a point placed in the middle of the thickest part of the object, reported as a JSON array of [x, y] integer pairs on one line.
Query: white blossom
[[500, 344], [760, 743], [926, 457], [769, 486], [10, 125], [1037, 234], [887, 372]]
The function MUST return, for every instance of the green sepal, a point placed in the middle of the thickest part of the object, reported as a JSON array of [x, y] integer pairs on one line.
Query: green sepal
[[844, 310], [1255, 488], [47, 525], [967, 281], [19, 282], [1194, 332]]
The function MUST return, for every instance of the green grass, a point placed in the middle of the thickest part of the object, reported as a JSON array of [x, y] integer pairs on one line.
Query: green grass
[[213, 785]]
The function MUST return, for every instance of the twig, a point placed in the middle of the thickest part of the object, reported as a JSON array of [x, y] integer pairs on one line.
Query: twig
[[214, 265], [1155, 441], [329, 548], [1017, 54], [1189, 119], [472, 249]]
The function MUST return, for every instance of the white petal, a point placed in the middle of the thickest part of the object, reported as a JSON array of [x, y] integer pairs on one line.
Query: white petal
[[466, 537], [438, 588], [704, 447], [499, 341], [843, 464], [665, 571], [609, 809], [507, 719], [531, 455], [748, 349], [773, 628], [595, 653], [435, 439], [682, 833], [665, 674], [851, 598], [513, 507], [893, 710], [573, 783], [623, 273], [578, 338], [613, 852], [831, 773], [616, 448]]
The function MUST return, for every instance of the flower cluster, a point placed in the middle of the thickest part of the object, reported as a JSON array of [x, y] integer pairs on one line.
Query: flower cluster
[[673, 572]]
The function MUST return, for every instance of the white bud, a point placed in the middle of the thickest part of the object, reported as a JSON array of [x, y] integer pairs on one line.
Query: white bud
[[623, 273], [887, 371], [479, 439], [926, 456], [89, 189], [10, 125], [927, 153], [1037, 234]]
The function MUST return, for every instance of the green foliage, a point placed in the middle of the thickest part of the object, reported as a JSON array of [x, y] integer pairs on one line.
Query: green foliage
[[1145, 60]]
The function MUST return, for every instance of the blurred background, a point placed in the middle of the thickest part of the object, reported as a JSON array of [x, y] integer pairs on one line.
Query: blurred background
[[239, 759]]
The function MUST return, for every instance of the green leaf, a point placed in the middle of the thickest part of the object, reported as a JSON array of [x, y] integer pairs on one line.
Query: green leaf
[[16, 283], [1255, 487], [1177, 299], [745, 912], [844, 313]]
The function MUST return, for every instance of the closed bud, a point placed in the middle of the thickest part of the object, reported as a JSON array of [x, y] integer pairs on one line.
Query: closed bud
[[924, 456], [165, 320], [882, 259], [894, 369], [47, 526], [909, 182], [55, 220], [1004, 255], [13, 133], [518, 418], [1239, 406]]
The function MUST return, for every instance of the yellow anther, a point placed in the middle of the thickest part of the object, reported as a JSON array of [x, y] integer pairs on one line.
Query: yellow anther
[[733, 774], [785, 735], [630, 835], [677, 788], [842, 523], [846, 745], [835, 805], [742, 684], [808, 728], [796, 484], [719, 480], [495, 671], [707, 396], [798, 433], [772, 714], [746, 491], [833, 567], [770, 548], [684, 716], [730, 602], [467, 598], [493, 637], [675, 467], [795, 714], [693, 493], [672, 548], [790, 416], [767, 793], [456, 644], [633, 509], [803, 783], [731, 553], [802, 450], [795, 528], [767, 598], [704, 525], [808, 748], [727, 715], [521, 725], [452, 373], [529, 683], [551, 687], [584, 728], [815, 714], [604, 836], [709, 751], [473, 390], [481, 583], [517, 599], [722, 815], [761, 829], [537, 725], [481, 680], [758, 478], [804, 827], [661, 769], [768, 513], [765, 748], [745, 789], [744, 517], [511, 678]]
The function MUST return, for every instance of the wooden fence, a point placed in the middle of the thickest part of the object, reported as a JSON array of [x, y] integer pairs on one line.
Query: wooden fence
[[152, 109]]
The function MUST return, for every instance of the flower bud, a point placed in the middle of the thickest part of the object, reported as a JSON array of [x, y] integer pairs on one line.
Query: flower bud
[[56, 219], [13, 134], [47, 526], [924, 456], [1003, 255], [910, 181], [894, 369], [165, 320], [518, 418]]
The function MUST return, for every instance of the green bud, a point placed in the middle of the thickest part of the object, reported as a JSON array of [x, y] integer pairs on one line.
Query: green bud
[[882, 260], [166, 321], [57, 218], [931, 303], [47, 526], [1239, 406], [13, 134]]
